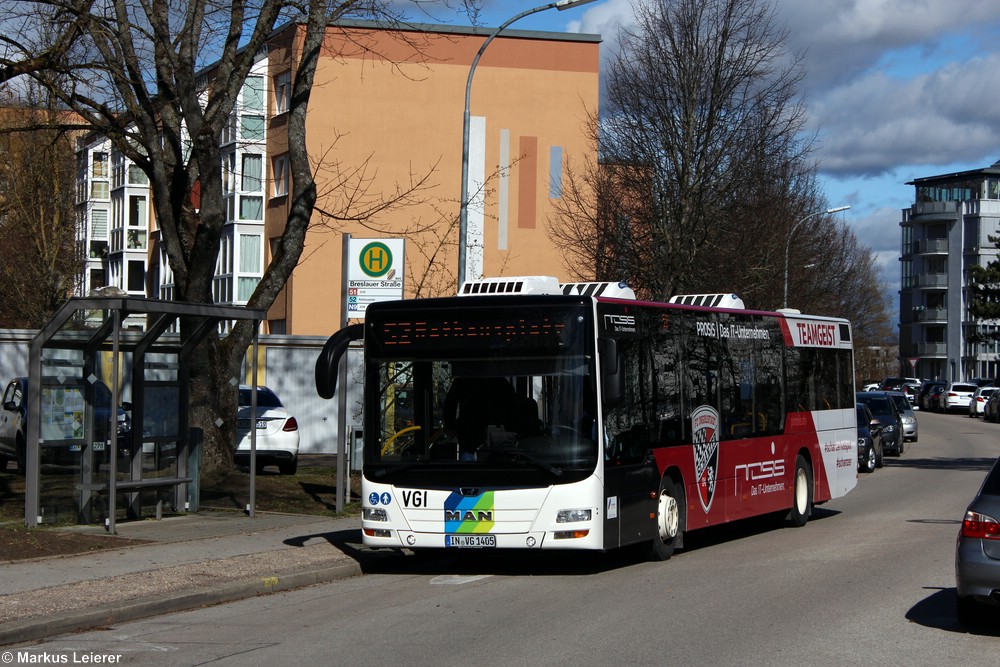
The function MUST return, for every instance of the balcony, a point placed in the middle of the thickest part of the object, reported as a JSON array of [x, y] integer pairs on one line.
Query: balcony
[[931, 247], [932, 280], [931, 314], [932, 211], [932, 349]]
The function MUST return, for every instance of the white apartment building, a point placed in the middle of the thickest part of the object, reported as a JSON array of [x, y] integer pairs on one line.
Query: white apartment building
[[946, 231], [115, 220]]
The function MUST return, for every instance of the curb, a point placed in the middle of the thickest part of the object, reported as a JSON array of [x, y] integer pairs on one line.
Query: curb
[[33, 629]]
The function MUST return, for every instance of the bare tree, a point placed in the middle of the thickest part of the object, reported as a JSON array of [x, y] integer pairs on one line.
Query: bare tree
[[704, 169], [700, 97], [39, 256], [39, 37], [161, 81]]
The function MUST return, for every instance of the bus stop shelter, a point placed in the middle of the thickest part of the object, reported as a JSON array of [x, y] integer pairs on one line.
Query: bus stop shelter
[[77, 425]]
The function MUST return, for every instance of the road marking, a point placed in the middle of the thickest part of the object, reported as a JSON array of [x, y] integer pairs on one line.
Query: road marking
[[457, 579]]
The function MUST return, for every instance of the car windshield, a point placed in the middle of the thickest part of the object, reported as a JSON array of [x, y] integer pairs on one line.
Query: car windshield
[[902, 404], [879, 405], [265, 398], [964, 388]]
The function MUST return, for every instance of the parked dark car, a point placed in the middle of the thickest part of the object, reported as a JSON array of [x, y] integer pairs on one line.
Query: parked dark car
[[885, 412], [869, 440], [892, 383], [936, 398], [977, 552], [924, 396], [14, 425], [991, 410]]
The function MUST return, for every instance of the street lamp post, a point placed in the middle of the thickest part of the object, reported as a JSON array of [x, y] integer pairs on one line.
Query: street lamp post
[[463, 214], [788, 244]]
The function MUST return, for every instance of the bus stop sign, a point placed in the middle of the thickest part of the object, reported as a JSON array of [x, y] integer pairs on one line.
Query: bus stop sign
[[375, 273]]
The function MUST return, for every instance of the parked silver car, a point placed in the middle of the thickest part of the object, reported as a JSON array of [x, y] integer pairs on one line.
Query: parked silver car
[[906, 415], [977, 553]]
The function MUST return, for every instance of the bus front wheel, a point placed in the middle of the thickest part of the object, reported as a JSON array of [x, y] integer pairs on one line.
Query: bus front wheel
[[669, 520], [802, 493]]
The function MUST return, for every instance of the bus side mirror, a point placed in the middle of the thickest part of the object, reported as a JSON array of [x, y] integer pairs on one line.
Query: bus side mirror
[[328, 362], [612, 377]]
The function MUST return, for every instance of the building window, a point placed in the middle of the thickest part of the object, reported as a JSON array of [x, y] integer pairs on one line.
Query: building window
[[252, 128], [282, 92], [251, 208], [280, 168], [136, 240], [137, 176], [253, 94], [229, 131], [136, 276], [97, 278], [99, 224], [252, 173], [137, 212], [250, 263], [229, 173], [100, 165], [98, 249], [250, 259], [99, 190], [555, 172]]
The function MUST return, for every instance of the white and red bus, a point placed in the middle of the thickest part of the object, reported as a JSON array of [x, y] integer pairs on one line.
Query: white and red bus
[[529, 414]]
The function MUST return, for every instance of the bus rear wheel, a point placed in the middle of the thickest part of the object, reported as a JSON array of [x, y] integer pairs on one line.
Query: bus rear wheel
[[669, 520], [802, 493]]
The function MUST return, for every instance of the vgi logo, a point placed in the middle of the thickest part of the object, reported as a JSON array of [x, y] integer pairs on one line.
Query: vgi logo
[[414, 498], [705, 435]]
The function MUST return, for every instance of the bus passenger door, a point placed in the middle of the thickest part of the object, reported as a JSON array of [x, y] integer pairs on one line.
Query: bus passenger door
[[631, 484]]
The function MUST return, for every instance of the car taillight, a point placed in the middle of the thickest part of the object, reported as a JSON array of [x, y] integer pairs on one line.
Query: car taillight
[[980, 526], [290, 425]]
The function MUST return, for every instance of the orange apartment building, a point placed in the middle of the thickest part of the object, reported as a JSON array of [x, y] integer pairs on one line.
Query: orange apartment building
[[386, 111]]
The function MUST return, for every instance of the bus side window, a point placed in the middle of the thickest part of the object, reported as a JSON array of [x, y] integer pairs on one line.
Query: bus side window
[[629, 447]]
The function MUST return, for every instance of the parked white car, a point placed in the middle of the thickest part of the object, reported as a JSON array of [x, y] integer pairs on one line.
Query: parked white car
[[277, 432], [978, 401], [957, 396]]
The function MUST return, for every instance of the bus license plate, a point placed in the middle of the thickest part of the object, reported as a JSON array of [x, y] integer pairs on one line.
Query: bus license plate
[[471, 541]]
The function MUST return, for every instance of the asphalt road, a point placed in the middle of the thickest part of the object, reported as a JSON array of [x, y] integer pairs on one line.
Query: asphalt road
[[869, 580]]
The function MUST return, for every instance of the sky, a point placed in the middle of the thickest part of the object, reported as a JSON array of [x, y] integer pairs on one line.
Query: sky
[[895, 90]]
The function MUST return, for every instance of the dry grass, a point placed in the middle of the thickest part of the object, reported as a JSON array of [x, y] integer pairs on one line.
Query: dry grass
[[310, 491]]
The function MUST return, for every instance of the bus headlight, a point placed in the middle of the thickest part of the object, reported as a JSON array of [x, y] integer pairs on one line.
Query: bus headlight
[[374, 514], [573, 516]]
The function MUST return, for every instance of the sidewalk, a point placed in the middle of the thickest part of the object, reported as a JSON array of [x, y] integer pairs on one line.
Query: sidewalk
[[189, 561]]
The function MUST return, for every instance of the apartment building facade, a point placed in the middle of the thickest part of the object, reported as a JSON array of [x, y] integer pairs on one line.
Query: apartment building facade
[[385, 117], [944, 233]]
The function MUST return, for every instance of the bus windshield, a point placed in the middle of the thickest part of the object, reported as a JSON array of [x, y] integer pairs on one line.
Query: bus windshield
[[499, 404]]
